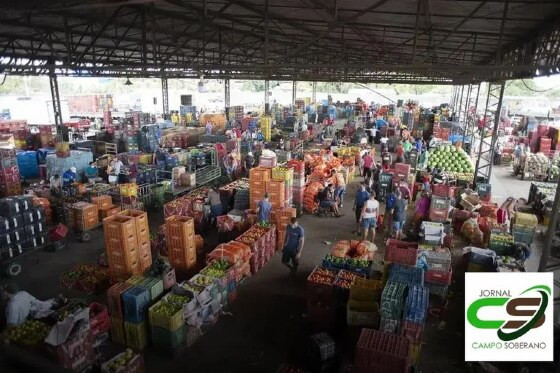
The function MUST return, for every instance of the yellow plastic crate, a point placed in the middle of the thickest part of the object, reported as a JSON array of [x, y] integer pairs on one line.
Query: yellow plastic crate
[[136, 335], [415, 351], [366, 290], [117, 330], [129, 190], [145, 159], [62, 146], [282, 173], [171, 323], [528, 220]]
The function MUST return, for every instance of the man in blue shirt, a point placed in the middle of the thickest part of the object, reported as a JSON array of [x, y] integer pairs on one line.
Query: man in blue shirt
[[69, 177], [293, 245], [263, 209], [361, 197]]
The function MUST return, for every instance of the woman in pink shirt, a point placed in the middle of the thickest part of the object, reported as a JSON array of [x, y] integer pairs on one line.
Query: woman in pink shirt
[[421, 211], [367, 164]]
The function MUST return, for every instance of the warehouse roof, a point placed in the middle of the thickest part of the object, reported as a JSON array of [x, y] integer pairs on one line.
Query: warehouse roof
[[440, 41]]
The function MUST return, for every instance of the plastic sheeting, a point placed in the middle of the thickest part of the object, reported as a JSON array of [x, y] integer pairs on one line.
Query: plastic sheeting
[[42, 154], [78, 159], [28, 164]]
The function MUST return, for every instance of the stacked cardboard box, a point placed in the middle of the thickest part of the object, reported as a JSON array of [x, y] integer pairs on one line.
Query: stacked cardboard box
[[181, 246], [121, 247]]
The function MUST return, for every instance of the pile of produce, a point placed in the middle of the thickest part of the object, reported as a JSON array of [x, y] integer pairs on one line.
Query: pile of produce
[[166, 308], [537, 163], [333, 261], [216, 268], [322, 276], [120, 362], [363, 250], [310, 195], [88, 278], [31, 332], [344, 279], [202, 280], [177, 299], [254, 234], [450, 158]]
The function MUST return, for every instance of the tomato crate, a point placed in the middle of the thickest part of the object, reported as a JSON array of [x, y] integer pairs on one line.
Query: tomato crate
[[412, 331], [393, 300], [417, 301], [377, 351], [399, 255], [99, 321], [119, 227], [136, 301], [114, 298], [439, 277], [406, 274], [320, 282], [172, 322], [136, 334]]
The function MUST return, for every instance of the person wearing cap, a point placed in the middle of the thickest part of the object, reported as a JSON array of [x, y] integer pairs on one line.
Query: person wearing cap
[[249, 162], [263, 209], [69, 176]]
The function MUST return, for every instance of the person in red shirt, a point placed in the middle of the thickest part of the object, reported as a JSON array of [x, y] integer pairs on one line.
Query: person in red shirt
[[400, 153], [367, 164]]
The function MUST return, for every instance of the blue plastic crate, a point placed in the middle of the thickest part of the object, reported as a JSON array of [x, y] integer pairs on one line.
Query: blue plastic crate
[[406, 274], [417, 301], [136, 301]]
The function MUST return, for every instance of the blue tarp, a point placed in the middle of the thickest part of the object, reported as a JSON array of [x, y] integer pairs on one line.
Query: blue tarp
[[27, 164]]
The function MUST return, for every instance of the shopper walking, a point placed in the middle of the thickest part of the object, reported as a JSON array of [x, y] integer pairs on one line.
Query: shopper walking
[[293, 245], [368, 217], [263, 209], [368, 164], [361, 198], [399, 215]]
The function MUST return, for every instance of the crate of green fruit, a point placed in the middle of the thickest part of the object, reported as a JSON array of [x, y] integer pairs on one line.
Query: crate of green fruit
[[334, 262], [211, 285], [219, 274], [360, 266], [501, 243], [187, 302], [223, 265], [166, 315], [153, 285]]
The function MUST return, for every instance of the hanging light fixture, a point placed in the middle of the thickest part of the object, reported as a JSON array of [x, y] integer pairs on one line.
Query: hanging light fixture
[[128, 82]]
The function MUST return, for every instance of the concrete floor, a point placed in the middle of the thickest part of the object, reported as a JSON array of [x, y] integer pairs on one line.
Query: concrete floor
[[268, 325]]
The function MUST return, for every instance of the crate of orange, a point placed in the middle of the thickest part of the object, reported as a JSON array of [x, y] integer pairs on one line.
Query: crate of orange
[[320, 283]]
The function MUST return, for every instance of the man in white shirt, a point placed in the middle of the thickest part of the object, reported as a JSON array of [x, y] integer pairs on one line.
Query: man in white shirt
[[22, 305], [383, 141], [368, 217]]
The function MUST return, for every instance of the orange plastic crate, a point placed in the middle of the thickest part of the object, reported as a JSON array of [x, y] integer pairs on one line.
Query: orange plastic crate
[[114, 298], [123, 262], [107, 211], [102, 201], [259, 174], [119, 226], [179, 232], [275, 186], [140, 217]]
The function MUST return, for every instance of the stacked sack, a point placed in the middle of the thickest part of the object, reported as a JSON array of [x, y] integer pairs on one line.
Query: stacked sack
[[22, 226]]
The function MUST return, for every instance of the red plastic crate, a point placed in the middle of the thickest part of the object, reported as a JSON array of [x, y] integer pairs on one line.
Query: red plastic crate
[[413, 332], [445, 191], [59, 232], [439, 277], [402, 256], [99, 321], [401, 244], [382, 352]]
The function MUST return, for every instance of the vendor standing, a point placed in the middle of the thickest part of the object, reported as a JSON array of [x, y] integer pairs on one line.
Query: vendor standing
[[249, 162], [21, 305], [69, 177], [263, 209]]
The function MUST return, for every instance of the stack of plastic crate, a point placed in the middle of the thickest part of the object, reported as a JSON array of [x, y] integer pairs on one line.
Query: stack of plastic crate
[[401, 252], [377, 351], [121, 247], [320, 300], [406, 274], [363, 303], [277, 193], [286, 175], [416, 311], [392, 306], [298, 184], [180, 242], [281, 219], [9, 173], [142, 237], [439, 273], [258, 177]]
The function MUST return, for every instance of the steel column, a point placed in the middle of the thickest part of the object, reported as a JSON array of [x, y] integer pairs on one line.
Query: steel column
[[294, 91], [483, 169], [551, 235], [464, 107], [267, 97], [472, 115], [226, 97], [460, 103], [314, 93], [165, 98], [53, 81]]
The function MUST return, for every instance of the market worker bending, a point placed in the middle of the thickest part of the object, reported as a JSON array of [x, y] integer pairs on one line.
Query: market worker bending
[[69, 176], [293, 245], [263, 209], [21, 305], [55, 183]]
